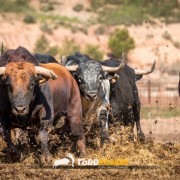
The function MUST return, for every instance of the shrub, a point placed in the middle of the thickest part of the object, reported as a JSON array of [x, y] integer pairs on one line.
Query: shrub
[[120, 41], [29, 19], [97, 4], [136, 11], [42, 46], [53, 51], [47, 7], [78, 7], [177, 44], [100, 30], [46, 28], [83, 30], [16, 6], [69, 47], [94, 52], [166, 35]]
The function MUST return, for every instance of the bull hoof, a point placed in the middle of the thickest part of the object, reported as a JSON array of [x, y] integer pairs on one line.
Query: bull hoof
[[104, 138], [82, 154], [16, 155], [46, 158], [131, 138], [141, 137]]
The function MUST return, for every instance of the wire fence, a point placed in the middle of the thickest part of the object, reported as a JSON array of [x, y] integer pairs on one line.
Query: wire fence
[[159, 98], [160, 109]]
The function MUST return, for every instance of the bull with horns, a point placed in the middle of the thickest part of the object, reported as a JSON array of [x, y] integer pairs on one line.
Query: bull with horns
[[37, 96]]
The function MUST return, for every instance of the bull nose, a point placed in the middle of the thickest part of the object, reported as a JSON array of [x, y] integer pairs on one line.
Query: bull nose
[[91, 96], [20, 109]]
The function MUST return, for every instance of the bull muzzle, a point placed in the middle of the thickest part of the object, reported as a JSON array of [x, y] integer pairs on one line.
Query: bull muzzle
[[91, 96], [20, 110]]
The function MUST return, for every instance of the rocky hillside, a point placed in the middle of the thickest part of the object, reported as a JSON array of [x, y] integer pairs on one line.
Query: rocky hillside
[[59, 20]]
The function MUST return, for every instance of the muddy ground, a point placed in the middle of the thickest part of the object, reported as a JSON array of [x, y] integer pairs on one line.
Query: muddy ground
[[157, 158]]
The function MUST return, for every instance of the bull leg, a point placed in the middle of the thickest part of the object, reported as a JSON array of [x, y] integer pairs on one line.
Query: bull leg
[[129, 123], [103, 112], [20, 137], [32, 138], [6, 135], [77, 131], [140, 133], [43, 134], [103, 123], [17, 133]]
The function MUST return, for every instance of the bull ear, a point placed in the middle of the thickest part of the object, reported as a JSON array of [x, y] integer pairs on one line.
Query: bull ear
[[111, 76], [41, 80]]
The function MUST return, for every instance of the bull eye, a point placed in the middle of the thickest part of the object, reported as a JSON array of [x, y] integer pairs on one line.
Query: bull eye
[[32, 85], [80, 80], [100, 78], [7, 82], [9, 85]]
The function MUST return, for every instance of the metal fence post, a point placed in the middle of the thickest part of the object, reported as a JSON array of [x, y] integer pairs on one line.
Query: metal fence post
[[149, 104]]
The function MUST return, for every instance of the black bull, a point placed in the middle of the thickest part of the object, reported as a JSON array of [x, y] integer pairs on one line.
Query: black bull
[[94, 85], [124, 96]]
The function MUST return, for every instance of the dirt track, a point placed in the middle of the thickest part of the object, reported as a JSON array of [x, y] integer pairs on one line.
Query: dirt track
[[164, 155], [162, 130]]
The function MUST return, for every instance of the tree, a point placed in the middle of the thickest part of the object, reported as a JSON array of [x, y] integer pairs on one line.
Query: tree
[[94, 52], [120, 41]]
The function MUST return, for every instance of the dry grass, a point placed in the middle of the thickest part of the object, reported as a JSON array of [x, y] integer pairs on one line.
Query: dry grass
[[165, 156]]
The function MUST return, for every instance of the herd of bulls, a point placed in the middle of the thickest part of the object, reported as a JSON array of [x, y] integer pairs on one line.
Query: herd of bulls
[[36, 92]]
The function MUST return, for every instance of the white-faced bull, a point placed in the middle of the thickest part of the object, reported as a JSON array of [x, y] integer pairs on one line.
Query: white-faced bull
[[124, 96], [93, 80]]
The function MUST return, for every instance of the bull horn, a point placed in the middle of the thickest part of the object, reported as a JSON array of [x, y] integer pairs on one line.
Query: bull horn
[[115, 69], [2, 48], [63, 60], [45, 72], [2, 70], [72, 68], [144, 72], [69, 68]]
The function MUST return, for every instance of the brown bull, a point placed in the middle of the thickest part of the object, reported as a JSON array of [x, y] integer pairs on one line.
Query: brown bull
[[28, 100]]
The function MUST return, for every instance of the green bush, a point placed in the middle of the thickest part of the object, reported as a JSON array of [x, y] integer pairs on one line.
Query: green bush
[[46, 28], [120, 41], [42, 46], [69, 47], [97, 4], [47, 7], [100, 30], [53, 51], [29, 19], [94, 52], [78, 7], [136, 11], [16, 6]]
